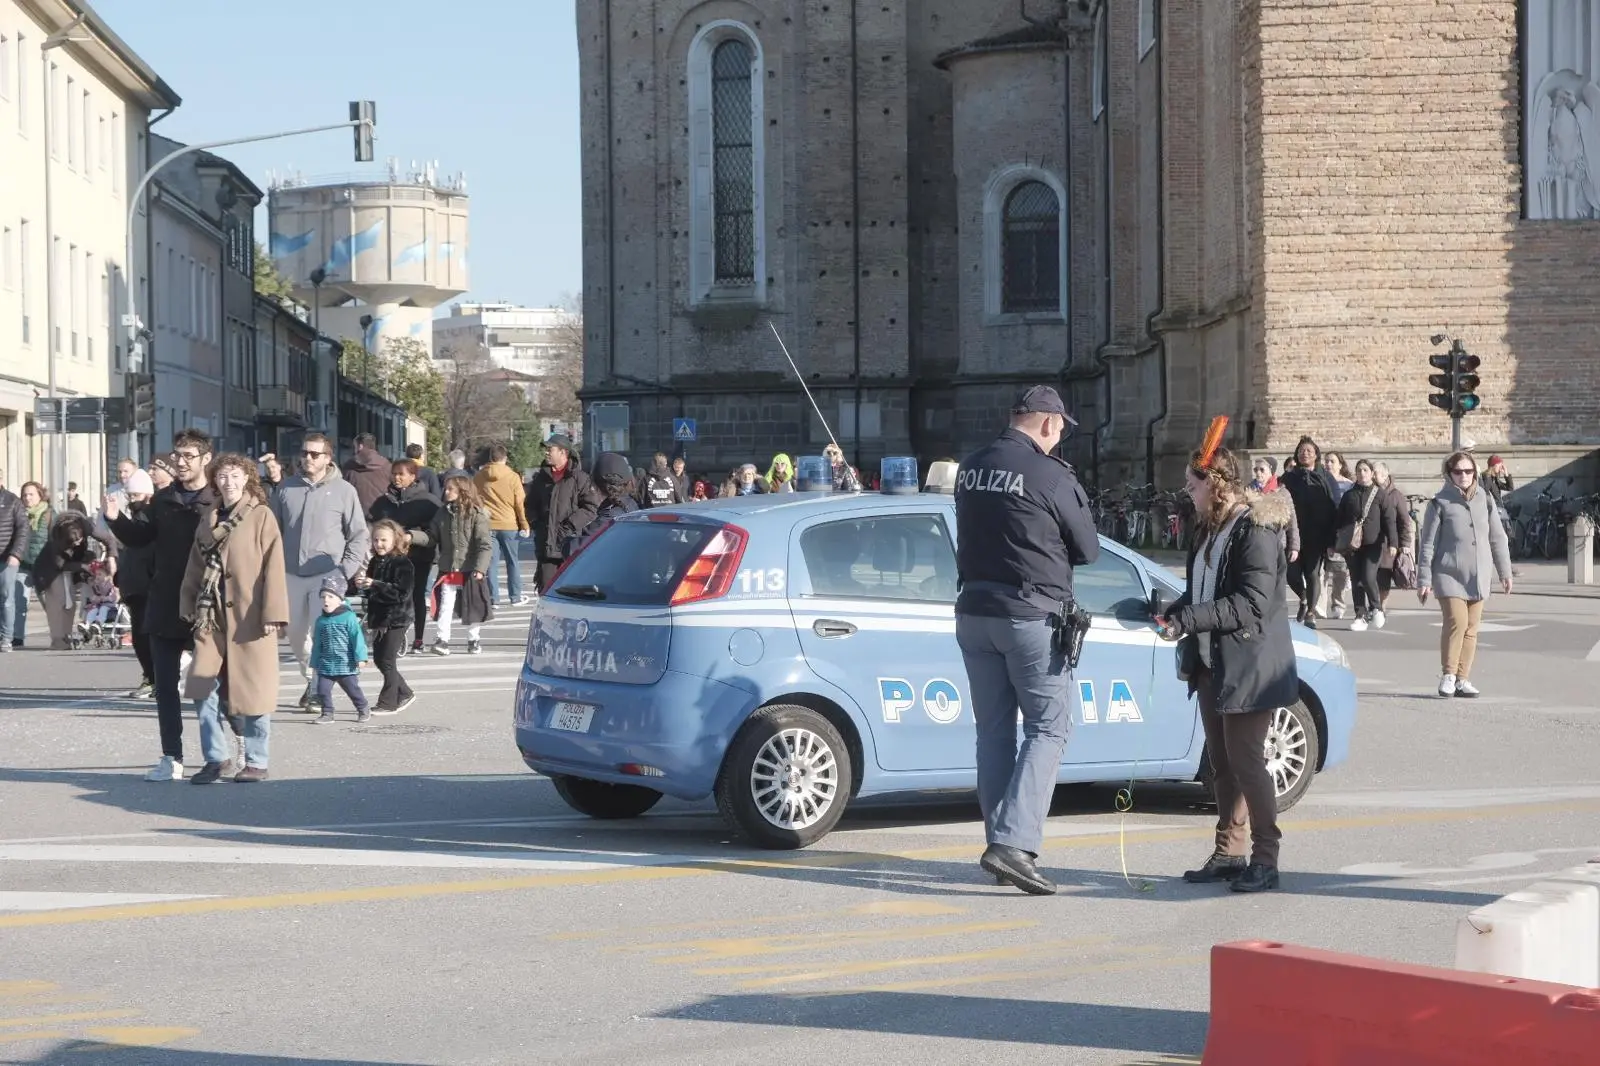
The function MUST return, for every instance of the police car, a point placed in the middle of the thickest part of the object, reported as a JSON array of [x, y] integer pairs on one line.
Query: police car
[[788, 653]]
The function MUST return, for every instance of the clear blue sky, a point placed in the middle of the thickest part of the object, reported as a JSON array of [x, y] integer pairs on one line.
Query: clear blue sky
[[488, 87]]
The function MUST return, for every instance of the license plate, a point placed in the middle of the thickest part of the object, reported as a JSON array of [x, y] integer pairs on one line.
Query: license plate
[[573, 717]]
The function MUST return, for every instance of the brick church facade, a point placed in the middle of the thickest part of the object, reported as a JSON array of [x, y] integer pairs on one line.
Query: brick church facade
[[1168, 208]]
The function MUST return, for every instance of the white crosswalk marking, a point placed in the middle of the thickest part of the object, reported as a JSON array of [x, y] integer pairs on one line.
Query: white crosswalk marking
[[495, 669]]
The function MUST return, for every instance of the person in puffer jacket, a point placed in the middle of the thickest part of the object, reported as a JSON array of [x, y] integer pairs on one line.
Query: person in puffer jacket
[[338, 651]]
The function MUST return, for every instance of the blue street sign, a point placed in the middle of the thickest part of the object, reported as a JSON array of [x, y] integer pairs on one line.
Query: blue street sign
[[683, 430]]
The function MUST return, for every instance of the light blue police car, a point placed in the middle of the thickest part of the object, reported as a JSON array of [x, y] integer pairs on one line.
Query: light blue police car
[[787, 653]]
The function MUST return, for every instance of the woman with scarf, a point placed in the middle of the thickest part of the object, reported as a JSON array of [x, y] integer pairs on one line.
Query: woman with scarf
[[780, 475], [236, 597], [36, 502], [1237, 654], [744, 481]]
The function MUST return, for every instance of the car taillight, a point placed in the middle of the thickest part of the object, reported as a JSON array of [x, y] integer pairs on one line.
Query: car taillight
[[589, 537], [711, 573]]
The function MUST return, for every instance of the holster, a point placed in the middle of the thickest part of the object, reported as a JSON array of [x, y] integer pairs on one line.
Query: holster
[[1071, 625]]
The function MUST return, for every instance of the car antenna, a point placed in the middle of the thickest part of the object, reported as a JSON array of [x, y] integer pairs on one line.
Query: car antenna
[[800, 378]]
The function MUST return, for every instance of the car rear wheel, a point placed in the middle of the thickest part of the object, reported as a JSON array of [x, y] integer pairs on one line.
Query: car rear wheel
[[598, 799], [786, 779], [1293, 749]]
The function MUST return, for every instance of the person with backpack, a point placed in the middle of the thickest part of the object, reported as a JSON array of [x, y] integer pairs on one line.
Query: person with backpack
[[660, 487]]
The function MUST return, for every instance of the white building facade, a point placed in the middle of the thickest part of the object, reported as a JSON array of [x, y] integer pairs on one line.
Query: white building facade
[[75, 103], [529, 340]]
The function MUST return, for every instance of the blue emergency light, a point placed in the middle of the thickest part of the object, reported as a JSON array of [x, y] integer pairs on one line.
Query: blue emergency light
[[813, 473], [897, 476]]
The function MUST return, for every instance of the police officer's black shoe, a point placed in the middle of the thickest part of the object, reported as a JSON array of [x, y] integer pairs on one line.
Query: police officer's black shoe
[[1015, 867], [1217, 868], [1256, 878]]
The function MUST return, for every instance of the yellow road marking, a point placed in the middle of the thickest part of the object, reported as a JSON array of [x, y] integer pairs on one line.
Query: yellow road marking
[[23, 1038], [907, 907], [849, 969], [736, 947], [138, 1036], [62, 1019], [1024, 975], [837, 860]]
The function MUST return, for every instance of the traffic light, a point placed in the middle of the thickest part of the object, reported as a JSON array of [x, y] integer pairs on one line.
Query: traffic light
[[142, 389], [1466, 383], [1458, 384], [1444, 382], [364, 112]]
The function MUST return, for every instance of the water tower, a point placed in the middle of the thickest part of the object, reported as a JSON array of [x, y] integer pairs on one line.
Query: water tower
[[392, 249]]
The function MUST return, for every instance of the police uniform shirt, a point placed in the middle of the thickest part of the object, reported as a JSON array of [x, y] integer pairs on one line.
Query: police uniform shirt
[[1022, 522]]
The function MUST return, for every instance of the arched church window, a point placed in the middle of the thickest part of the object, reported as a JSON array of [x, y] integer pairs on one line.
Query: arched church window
[[733, 163], [1031, 250]]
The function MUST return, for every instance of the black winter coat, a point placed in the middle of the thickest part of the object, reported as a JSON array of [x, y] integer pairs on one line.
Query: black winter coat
[[1316, 507], [414, 507], [389, 595], [135, 564], [1382, 526], [61, 556], [560, 511], [1252, 651], [14, 528], [168, 525]]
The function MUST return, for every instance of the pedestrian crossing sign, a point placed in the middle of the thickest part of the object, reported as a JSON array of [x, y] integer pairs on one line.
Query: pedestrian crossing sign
[[683, 430]]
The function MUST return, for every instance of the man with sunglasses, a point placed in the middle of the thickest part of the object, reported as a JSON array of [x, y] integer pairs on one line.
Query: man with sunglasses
[[169, 523], [324, 530]]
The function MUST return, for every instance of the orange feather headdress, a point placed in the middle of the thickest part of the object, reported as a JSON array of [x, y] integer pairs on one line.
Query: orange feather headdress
[[1213, 440]]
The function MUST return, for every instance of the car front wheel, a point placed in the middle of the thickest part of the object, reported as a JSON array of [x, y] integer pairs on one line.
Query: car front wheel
[[1292, 751], [598, 799], [786, 779]]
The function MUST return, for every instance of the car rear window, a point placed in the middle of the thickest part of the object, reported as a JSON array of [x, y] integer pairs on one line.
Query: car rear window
[[635, 563]]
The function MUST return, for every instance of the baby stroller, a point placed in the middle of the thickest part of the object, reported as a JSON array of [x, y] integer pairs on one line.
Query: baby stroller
[[103, 619]]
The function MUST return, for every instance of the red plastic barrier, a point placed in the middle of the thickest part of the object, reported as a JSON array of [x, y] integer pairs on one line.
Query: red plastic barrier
[[1281, 1005]]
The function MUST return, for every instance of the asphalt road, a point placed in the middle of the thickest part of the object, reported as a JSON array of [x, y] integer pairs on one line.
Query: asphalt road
[[406, 892]]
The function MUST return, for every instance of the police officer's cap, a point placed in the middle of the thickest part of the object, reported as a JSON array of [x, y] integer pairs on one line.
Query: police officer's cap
[[1041, 400]]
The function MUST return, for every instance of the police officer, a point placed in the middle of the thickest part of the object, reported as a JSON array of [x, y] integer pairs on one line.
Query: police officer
[[1024, 523]]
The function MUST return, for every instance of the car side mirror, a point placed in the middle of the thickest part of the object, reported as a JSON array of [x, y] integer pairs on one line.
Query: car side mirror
[[1158, 603]]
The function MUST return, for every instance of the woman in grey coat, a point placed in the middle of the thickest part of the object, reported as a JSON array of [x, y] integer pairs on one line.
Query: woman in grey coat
[[1463, 545]]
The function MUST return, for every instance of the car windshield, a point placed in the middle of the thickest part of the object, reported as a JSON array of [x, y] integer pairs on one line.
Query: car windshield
[[634, 563]]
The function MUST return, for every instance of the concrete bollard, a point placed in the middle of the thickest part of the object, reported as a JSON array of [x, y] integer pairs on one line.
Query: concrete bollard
[[1549, 931], [1580, 551]]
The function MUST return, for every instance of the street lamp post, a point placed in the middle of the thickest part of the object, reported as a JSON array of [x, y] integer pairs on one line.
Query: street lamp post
[[130, 318]]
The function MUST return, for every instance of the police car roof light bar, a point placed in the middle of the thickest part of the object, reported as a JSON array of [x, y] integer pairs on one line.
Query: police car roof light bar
[[801, 379]]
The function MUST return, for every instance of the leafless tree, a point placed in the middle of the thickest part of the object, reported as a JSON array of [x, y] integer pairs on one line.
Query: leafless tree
[[478, 409]]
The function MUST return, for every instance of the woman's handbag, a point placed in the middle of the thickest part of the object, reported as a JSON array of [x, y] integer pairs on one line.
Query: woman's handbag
[[1405, 571], [1350, 540]]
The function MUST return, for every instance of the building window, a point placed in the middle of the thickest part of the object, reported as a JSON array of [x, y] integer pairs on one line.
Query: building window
[[1025, 245], [727, 163], [1032, 250], [84, 131], [24, 259], [5, 67], [52, 116], [1148, 13], [117, 160], [54, 267], [1100, 64], [22, 84], [1561, 110], [105, 143], [733, 161], [8, 270], [73, 296]]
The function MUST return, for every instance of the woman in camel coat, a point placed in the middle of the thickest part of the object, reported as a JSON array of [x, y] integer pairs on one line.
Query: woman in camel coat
[[236, 596]]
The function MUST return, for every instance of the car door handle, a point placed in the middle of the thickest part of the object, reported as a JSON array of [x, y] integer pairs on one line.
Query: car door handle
[[831, 627]]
